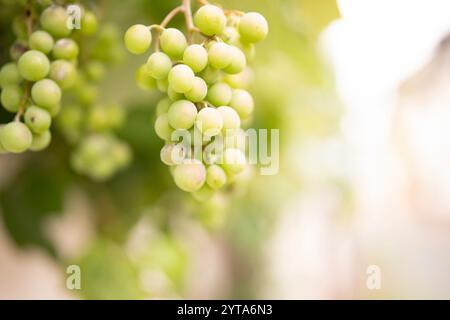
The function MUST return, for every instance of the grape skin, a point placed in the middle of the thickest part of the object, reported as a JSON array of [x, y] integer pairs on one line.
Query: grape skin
[[33, 65], [138, 39], [210, 20], [11, 97], [46, 93], [182, 114], [54, 20], [65, 49], [199, 90], [181, 78], [253, 27], [41, 141], [190, 177], [220, 55], [196, 57], [37, 119], [16, 137], [159, 65], [243, 103], [9, 74], [230, 118], [216, 177], [220, 94], [209, 121], [163, 128], [173, 42], [63, 73], [41, 41]]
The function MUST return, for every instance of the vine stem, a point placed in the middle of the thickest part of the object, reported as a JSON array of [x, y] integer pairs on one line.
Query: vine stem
[[23, 102], [165, 22]]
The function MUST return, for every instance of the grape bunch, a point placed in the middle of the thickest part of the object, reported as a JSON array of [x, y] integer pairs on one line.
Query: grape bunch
[[204, 75], [44, 62]]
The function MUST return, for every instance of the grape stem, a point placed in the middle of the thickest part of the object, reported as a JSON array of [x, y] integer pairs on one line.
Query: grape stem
[[184, 8], [23, 102]]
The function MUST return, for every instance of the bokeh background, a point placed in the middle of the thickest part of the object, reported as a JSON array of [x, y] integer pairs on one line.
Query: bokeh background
[[360, 93]]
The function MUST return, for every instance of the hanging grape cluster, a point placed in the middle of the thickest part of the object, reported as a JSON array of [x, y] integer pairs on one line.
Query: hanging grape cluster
[[204, 75], [51, 57]]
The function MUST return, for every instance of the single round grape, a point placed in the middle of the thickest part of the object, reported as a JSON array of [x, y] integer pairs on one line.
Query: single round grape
[[54, 20], [163, 106], [37, 119], [199, 90], [42, 41], [63, 73], [234, 161], [173, 42], [182, 114], [16, 137], [162, 127], [65, 49], [216, 177], [159, 65], [95, 70], [209, 121], [11, 97], [243, 103], [89, 23], [238, 61], [253, 27], [219, 94], [190, 177], [230, 118], [181, 78], [41, 141], [138, 39], [210, 75], [144, 79], [173, 95], [196, 57], [33, 65], [46, 93], [220, 55], [9, 74], [172, 154], [210, 20]]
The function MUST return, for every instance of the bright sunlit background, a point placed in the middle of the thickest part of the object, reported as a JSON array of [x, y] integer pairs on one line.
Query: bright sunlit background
[[360, 90]]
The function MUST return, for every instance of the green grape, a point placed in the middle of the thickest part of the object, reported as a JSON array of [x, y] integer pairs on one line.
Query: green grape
[[238, 61], [190, 177], [210, 20], [95, 70], [181, 78], [253, 27], [240, 80], [220, 55], [235, 139], [182, 114], [230, 35], [46, 93], [216, 177], [209, 121], [243, 103], [163, 106], [41, 41], [172, 154], [54, 20], [63, 73], [88, 23], [144, 79], [234, 161], [210, 75], [33, 65], [173, 42], [54, 110], [99, 118], [41, 141], [199, 90], [121, 154], [37, 119], [138, 39], [11, 97], [204, 194], [18, 49], [173, 95], [196, 57], [163, 128], [16, 137], [65, 49], [9, 74], [159, 65], [248, 49], [230, 118], [219, 94], [162, 85]]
